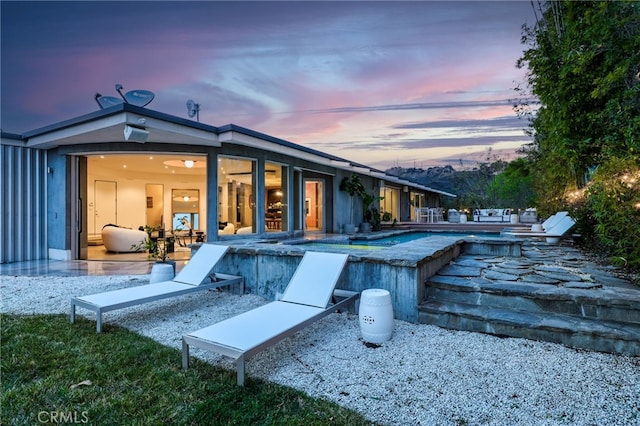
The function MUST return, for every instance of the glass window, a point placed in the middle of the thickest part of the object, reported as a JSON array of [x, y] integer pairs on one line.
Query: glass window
[[275, 178], [185, 209], [236, 202], [417, 201], [391, 202]]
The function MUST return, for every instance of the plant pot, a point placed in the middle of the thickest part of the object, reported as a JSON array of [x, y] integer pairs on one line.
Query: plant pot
[[365, 227], [349, 228], [162, 271]]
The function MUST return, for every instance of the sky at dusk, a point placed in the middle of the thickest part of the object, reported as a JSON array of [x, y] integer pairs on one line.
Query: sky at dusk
[[382, 83]]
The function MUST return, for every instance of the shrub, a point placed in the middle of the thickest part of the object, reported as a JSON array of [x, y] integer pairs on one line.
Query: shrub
[[612, 210]]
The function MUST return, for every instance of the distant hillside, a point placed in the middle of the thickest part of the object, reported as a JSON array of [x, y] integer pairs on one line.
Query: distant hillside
[[441, 178], [472, 188]]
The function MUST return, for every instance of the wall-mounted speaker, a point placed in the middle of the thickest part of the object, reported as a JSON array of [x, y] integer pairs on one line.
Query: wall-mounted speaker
[[135, 134]]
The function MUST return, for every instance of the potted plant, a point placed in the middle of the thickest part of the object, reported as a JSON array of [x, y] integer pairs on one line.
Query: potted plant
[[370, 213], [352, 186], [164, 269]]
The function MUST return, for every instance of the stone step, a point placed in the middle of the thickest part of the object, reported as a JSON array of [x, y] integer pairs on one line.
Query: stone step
[[582, 300], [569, 330]]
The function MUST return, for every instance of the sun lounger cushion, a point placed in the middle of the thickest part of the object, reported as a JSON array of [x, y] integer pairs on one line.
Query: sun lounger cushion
[[314, 280], [257, 325], [305, 301], [195, 276]]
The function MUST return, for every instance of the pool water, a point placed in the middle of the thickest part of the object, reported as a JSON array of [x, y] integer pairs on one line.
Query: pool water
[[392, 240]]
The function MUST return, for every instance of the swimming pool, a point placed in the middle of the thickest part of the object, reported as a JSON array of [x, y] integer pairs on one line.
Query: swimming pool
[[373, 242]]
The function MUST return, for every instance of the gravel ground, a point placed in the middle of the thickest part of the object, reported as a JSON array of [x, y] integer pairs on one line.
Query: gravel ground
[[424, 375]]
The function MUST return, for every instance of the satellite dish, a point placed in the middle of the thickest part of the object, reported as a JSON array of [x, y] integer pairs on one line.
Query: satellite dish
[[193, 109], [107, 101], [139, 98]]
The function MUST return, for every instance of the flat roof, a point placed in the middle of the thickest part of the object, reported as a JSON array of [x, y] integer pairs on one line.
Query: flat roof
[[107, 124]]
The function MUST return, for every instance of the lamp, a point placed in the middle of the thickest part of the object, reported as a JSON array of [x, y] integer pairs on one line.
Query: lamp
[[135, 134], [189, 163]]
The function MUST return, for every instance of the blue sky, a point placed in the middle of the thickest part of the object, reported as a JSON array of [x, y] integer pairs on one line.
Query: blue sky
[[382, 83]]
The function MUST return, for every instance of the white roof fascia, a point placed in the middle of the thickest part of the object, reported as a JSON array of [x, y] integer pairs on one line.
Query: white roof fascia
[[199, 136], [53, 138], [242, 139], [362, 170]]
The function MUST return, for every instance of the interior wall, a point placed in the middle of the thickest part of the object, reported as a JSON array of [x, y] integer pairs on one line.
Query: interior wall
[[131, 196]]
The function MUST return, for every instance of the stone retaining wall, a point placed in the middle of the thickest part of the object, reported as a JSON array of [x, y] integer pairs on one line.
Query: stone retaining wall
[[402, 269]]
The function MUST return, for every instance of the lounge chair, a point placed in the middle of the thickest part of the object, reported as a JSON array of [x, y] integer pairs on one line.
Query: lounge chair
[[305, 300], [195, 276], [552, 234], [544, 226], [553, 220]]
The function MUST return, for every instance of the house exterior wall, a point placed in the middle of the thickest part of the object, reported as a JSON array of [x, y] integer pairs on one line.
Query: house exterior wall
[[23, 177], [44, 187]]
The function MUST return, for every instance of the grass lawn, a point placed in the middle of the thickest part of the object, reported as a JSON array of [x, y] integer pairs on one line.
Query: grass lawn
[[56, 372]]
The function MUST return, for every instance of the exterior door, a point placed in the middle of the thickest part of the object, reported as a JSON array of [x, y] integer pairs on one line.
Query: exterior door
[[314, 205], [105, 202]]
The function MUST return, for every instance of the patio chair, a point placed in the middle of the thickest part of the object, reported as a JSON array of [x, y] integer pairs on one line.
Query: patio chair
[[546, 225], [553, 220], [305, 300], [552, 234], [195, 276]]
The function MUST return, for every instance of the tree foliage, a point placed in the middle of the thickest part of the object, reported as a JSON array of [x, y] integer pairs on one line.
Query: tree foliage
[[584, 67]]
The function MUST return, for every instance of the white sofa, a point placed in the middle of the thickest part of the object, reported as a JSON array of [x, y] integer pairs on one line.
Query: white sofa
[[492, 215], [122, 240]]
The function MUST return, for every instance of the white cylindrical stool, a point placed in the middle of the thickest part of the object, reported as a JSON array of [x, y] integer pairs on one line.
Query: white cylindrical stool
[[376, 315], [161, 272]]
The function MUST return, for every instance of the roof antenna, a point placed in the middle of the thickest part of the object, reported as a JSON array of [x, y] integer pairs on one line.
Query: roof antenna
[[193, 109], [119, 90]]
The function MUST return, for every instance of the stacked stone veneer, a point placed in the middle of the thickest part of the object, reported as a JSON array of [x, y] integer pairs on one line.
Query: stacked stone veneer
[[499, 286], [402, 269], [550, 293]]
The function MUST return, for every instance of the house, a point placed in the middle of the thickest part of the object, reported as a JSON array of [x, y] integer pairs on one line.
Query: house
[[133, 166]]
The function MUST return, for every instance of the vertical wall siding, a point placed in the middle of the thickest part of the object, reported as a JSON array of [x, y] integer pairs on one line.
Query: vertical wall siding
[[23, 211]]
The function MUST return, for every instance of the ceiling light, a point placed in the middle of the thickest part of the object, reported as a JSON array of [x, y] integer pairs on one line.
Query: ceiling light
[[188, 164], [185, 198]]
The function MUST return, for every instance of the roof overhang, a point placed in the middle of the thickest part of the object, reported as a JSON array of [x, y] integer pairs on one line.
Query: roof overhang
[[109, 126]]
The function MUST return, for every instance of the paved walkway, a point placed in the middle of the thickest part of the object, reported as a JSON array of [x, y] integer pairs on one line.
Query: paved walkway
[[541, 263]]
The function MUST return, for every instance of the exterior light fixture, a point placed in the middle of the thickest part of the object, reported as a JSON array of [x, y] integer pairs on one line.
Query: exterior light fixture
[[189, 163], [135, 134]]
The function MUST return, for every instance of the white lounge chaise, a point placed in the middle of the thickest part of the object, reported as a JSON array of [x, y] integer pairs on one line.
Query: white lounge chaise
[[543, 227], [552, 234], [305, 300], [195, 276]]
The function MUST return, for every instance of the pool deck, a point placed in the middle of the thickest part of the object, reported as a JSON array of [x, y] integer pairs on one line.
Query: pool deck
[[417, 272]]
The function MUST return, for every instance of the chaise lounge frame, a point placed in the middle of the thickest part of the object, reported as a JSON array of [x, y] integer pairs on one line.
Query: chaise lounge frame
[[195, 276], [552, 234], [305, 301]]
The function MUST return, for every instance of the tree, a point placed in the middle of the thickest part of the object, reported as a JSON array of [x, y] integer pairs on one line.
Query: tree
[[584, 67], [514, 186]]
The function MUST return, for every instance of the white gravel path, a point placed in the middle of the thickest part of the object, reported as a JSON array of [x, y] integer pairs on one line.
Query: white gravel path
[[424, 375]]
